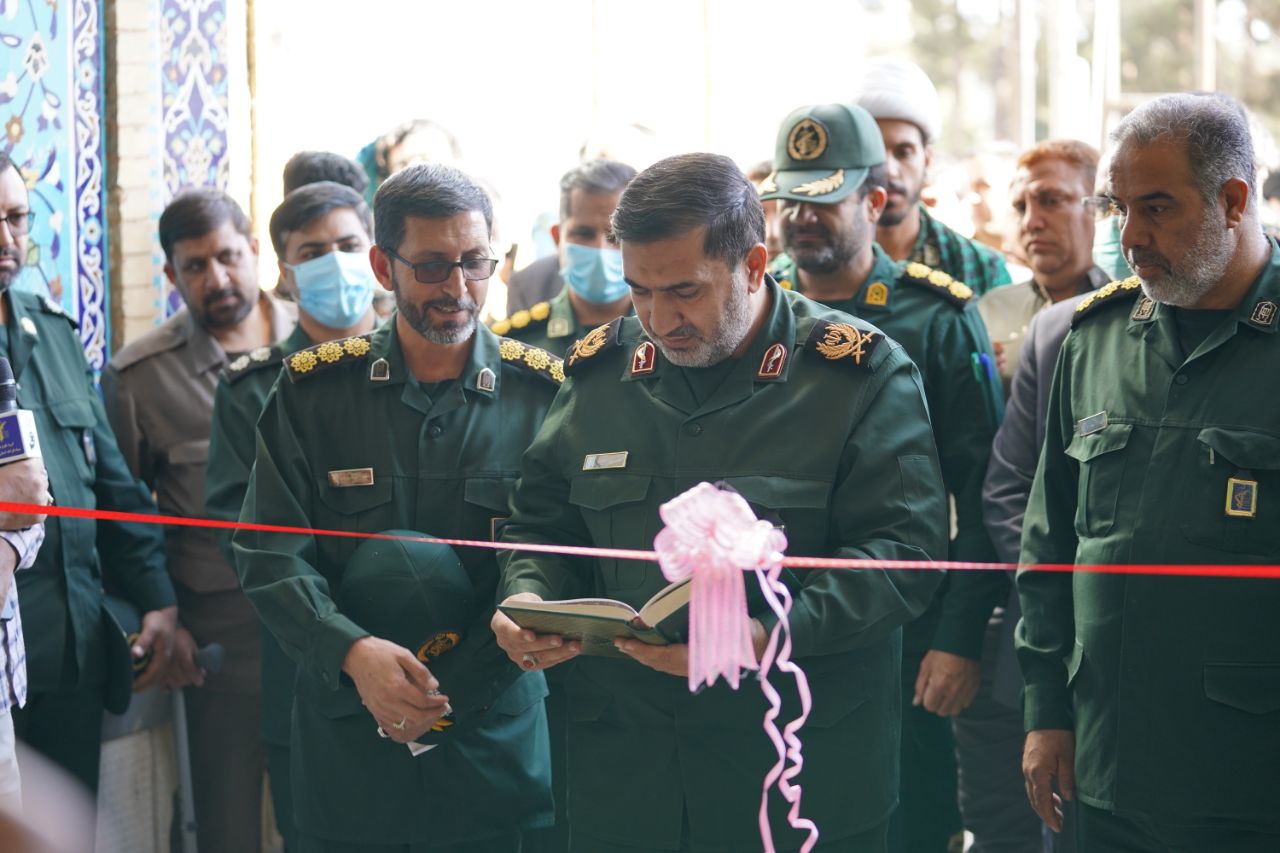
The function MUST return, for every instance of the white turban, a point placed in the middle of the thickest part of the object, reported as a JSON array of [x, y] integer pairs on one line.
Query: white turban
[[890, 88]]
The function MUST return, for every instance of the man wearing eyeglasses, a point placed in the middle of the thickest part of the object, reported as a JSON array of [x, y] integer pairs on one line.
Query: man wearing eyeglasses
[[1055, 231], [417, 426], [69, 676]]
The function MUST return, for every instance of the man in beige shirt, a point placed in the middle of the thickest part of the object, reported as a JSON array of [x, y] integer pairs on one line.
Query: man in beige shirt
[[159, 392], [1055, 232]]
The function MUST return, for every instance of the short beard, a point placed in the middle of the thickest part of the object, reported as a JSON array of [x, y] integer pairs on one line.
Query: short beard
[[893, 218], [449, 332], [224, 321], [822, 260], [1199, 271], [728, 335]]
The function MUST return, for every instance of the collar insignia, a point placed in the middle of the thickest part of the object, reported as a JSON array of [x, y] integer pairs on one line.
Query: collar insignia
[[643, 359], [1264, 314], [486, 380], [771, 365], [380, 370]]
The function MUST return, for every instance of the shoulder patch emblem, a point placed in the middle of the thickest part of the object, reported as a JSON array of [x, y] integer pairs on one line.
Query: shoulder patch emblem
[[312, 360], [1107, 294], [591, 344], [500, 327], [253, 361], [532, 359], [541, 311], [939, 282], [842, 342]]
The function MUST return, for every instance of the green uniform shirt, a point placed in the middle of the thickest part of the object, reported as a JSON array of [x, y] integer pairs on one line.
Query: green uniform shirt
[[348, 440], [1156, 455], [939, 247], [60, 596], [936, 320], [551, 325], [237, 403], [837, 448]]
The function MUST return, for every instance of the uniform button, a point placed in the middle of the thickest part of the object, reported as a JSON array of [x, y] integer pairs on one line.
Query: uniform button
[[694, 429], [1181, 379], [435, 430]]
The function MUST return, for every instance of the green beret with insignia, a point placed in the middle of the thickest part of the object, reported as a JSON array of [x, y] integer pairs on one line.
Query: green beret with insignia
[[823, 154], [418, 595]]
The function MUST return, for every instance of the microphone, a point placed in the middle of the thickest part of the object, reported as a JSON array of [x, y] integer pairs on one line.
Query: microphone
[[18, 438]]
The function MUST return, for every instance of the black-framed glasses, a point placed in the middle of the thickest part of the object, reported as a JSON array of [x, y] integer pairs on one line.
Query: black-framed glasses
[[434, 272], [19, 221]]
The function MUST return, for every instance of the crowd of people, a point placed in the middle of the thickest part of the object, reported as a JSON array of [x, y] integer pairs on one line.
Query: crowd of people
[[872, 382]]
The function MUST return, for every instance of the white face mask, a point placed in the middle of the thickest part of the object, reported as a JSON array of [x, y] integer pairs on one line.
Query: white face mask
[[335, 288]]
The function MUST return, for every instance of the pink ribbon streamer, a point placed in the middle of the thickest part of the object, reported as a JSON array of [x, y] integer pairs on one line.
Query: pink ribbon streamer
[[713, 536]]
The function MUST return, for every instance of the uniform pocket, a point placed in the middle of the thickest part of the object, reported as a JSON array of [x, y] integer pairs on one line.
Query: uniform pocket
[[75, 420], [492, 496], [799, 507], [1102, 464], [1250, 687], [1250, 457], [616, 511]]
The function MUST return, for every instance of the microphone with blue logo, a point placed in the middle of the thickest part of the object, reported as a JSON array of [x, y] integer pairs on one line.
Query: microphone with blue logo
[[18, 437]]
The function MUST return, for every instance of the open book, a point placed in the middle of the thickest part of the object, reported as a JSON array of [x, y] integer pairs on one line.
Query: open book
[[662, 620]]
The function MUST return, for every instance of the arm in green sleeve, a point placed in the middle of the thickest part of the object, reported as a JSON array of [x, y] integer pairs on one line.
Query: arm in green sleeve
[[888, 502], [231, 449], [1046, 634], [278, 570], [541, 512], [967, 407]]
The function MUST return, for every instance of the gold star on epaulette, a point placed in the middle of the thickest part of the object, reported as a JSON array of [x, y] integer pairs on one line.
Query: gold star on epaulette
[[240, 363], [327, 354], [541, 311], [1108, 293], [532, 359], [520, 319], [501, 327], [252, 361], [938, 281]]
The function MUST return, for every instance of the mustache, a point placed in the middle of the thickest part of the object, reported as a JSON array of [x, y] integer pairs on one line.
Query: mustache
[[792, 231], [11, 252], [895, 188], [214, 295], [1146, 257], [447, 303]]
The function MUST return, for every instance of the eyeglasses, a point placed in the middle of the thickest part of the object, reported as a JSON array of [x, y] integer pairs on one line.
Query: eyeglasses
[[434, 272], [19, 221]]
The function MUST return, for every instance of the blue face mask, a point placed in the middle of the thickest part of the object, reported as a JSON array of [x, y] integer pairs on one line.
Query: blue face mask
[[336, 289], [594, 274]]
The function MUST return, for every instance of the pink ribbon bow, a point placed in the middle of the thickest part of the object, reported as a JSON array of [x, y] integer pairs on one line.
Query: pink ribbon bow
[[713, 536]]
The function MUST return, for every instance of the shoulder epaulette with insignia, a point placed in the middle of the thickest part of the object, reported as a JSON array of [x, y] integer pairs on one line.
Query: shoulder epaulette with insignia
[[254, 360], [532, 359], [592, 344], [312, 360], [521, 319], [939, 282], [53, 307], [843, 342], [1105, 295]]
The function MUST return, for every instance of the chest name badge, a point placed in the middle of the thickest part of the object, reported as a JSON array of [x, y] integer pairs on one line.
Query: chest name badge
[[771, 365], [605, 461], [348, 477], [642, 360], [1242, 497], [1092, 424]]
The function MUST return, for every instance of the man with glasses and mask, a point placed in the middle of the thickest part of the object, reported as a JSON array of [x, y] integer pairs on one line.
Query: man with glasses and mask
[[321, 233], [69, 675], [1151, 700], [159, 392], [418, 426], [594, 291]]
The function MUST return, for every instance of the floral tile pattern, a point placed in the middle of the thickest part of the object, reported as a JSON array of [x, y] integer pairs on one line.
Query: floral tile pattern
[[51, 108]]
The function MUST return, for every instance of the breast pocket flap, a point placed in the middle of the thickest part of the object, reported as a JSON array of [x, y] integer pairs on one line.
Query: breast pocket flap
[[782, 492], [72, 414], [488, 492], [1085, 448], [1243, 448], [601, 491], [349, 500], [1254, 688]]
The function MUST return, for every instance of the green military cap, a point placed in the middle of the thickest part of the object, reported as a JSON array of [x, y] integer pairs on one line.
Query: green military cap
[[823, 154], [418, 595]]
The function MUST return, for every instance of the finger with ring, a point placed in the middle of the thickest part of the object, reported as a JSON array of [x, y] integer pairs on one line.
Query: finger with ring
[[530, 660], [400, 725]]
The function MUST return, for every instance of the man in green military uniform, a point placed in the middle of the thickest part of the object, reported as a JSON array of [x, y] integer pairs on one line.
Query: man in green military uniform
[[590, 264], [60, 596], [718, 366], [321, 233], [904, 102], [1150, 699], [828, 213], [418, 426]]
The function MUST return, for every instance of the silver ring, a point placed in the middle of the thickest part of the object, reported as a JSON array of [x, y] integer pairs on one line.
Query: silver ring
[[400, 725], [531, 659]]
